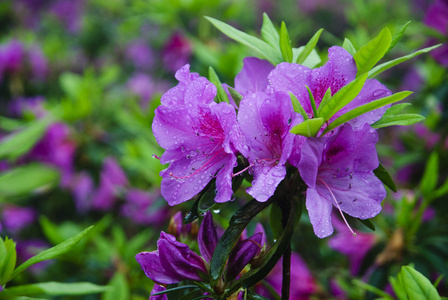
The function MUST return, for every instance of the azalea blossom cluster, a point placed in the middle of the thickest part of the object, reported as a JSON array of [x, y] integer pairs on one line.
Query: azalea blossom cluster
[[203, 139]]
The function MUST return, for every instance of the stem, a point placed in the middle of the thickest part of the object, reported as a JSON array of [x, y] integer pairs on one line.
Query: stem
[[286, 283]]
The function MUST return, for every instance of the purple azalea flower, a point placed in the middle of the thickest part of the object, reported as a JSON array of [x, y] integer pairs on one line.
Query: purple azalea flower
[[437, 18], [338, 171], [68, 13], [335, 74], [144, 208], [143, 86], [355, 248], [253, 77], [11, 57], [157, 289], [112, 178], [172, 262], [15, 218], [302, 281], [265, 121], [195, 132], [38, 62], [178, 228], [176, 52], [140, 54], [82, 187]]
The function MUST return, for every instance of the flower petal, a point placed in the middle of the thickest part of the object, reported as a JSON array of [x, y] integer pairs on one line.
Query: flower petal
[[253, 77], [319, 211], [150, 264]]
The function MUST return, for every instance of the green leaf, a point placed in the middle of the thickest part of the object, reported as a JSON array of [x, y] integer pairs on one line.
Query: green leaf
[[311, 61], [298, 108], [347, 45], [232, 234], [397, 36], [313, 102], [387, 65], [368, 55], [53, 289], [16, 144], [50, 230], [237, 97], [442, 190], [71, 84], [174, 289], [53, 252], [372, 289], [344, 96], [285, 44], [260, 46], [431, 174], [252, 295], [368, 223], [416, 285], [382, 174], [118, 288], [213, 77], [25, 179], [9, 124], [8, 258], [324, 102], [207, 200], [360, 110], [308, 128], [401, 119], [309, 47], [269, 33], [275, 220]]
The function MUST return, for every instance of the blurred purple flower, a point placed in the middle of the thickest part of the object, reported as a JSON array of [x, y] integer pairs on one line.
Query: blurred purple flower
[[38, 62], [20, 106], [302, 282], [82, 187], [68, 13], [195, 133], [11, 57], [176, 52], [112, 178], [29, 248], [339, 173], [354, 247], [143, 86], [157, 289], [145, 208], [437, 18], [15, 218], [172, 262], [412, 81], [140, 54]]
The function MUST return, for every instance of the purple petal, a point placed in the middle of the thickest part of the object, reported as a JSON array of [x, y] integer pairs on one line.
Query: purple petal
[[266, 180], [254, 76], [242, 254], [150, 264], [260, 229], [207, 237], [319, 211], [157, 289], [311, 159]]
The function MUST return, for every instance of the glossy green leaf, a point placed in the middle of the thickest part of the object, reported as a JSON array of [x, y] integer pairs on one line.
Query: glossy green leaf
[[237, 97], [398, 35], [308, 128], [368, 223], [313, 102], [298, 108], [311, 60], [401, 119], [343, 97], [221, 94], [207, 200], [53, 252], [253, 296], [398, 288], [387, 65], [360, 110], [252, 42], [230, 237], [18, 143], [8, 258], [368, 55], [431, 174], [269, 32], [416, 285], [347, 45], [26, 179], [285, 44], [309, 47], [382, 174], [53, 289]]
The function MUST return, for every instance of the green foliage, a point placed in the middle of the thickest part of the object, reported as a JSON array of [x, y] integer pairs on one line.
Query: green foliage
[[385, 177], [393, 116], [347, 45], [213, 77], [308, 128], [309, 47], [269, 33], [52, 289], [285, 44], [8, 258], [431, 175], [298, 108]]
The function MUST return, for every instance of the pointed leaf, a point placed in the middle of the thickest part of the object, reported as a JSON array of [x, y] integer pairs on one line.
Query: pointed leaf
[[213, 77], [398, 35], [311, 61], [207, 200], [398, 288], [324, 102], [313, 102], [175, 289], [417, 286], [309, 47], [372, 289], [8, 256], [368, 55], [343, 97], [237, 97], [54, 289], [368, 223], [53, 252], [269, 33], [297, 106], [347, 45], [382, 174], [308, 128], [387, 65], [401, 119], [252, 42], [431, 174], [285, 44], [360, 110]]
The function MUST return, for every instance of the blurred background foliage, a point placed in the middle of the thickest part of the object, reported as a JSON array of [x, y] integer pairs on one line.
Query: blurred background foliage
[[79, 82]]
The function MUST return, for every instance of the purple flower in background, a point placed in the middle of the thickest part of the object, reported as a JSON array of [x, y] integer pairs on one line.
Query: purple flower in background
[[178, 228], [302, 281], [34, 105], [335, 74], [172, 262], [339, 172], [112, 178], [157, 289], [176, 52], [11, 57], [68, 13], [140, 54], [82, 187], [38, 62], [143, 86], [29, 248], [437, 18], [144, 208], [195, 132], [15, 218], [355, 248]]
